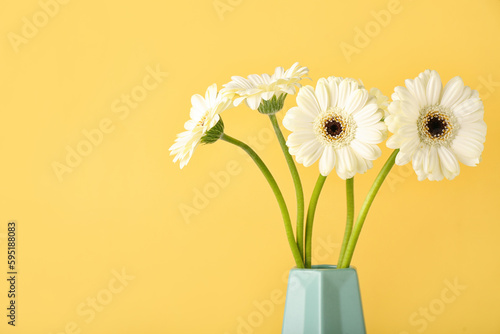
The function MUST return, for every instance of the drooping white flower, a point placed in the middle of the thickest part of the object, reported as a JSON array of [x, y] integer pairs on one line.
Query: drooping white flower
[[256, 88], [204, 115], [435, 127], [339, 123]]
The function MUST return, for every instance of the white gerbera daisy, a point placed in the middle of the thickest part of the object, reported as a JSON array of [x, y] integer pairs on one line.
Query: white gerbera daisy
[[204, 115], [338, 123], [435, 127], [256, 88]]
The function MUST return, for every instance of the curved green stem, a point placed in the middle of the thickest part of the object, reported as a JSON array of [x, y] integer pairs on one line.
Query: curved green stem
[[346, 261], [277, 192], [299, 192], [310, 217], [349, 190]]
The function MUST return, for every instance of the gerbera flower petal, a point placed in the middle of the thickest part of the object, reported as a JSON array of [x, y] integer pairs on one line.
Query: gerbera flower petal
[[468, 148], [323, 94], [327, 161], [408, 148], [382, 100], [408, 130], [367, 119], [211, 95], [419, 91], [433, 90], [267, 95], [307, 102], [466, 93], [452, 91], [198, 103], [367, 151], [253, 101], [468, 106], [410, 110], [394, 142], [357, 101], [345, 89], [370, 136], [473, 132], [333, 89], [299, 137], [366, 112], [449, 163], [424, 77], [310, 151], [350, 162], [471, 118], [404, 95], [295, 120]]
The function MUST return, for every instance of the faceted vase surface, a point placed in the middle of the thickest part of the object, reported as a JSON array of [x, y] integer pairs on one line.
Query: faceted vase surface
[[323, 300]]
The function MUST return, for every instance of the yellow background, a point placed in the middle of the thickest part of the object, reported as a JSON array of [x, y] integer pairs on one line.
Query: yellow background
[[119, 208]]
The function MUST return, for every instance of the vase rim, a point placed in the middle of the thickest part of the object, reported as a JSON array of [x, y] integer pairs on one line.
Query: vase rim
[[324, 267]]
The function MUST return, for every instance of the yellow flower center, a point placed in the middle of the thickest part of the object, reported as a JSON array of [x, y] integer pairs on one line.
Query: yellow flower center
[[202, 120]]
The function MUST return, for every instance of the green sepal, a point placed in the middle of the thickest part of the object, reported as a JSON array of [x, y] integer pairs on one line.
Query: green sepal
[[214, 134], [273, 105]]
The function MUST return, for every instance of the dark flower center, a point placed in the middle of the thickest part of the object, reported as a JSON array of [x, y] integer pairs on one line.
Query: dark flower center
[[436, 126], [333, 127]]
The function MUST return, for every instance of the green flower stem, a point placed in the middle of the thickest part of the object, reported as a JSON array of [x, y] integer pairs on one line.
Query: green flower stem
[[310, 217], [349, 190], [299, 192], [276, 190], [346, 261]]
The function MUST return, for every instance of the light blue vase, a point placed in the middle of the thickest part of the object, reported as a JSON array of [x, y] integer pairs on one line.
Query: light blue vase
[[323, 300]]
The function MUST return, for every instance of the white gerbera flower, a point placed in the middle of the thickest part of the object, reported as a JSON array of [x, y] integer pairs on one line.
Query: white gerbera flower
[[435, 127], [256, 88], [204, 115], [338, 123]]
